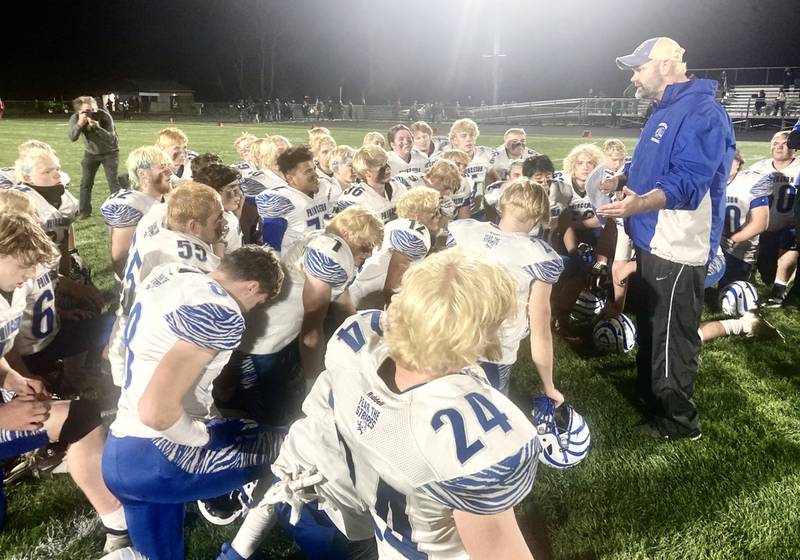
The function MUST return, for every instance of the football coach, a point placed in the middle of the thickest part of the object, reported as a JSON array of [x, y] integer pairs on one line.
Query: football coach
[[673, 205]]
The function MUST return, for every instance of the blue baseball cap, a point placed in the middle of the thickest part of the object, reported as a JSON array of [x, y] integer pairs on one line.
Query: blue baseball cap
[[657, 48]]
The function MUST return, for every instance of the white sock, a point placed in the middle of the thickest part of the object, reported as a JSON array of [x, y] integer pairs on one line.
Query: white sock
[[732, 326], [115, 520], [257, 523]]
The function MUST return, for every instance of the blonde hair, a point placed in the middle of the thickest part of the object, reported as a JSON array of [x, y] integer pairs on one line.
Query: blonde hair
[[445, 174], [614, 147], [463, 125], [357, 224], [319, 140], [341, 154], [511, 131], [781, 134], [370, 137], [171, 136], [191, 201], [244, 137], [264, 152], [367, 157], [448, 312], [144, 157], [457, 156], [317, 131], [525, 199], [29, 145], [14, 201], [421, 126], [27, 161], [23, 238], [572, 158], [418, 203], [78, 101]]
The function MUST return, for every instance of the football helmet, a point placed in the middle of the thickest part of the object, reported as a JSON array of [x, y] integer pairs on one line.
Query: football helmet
[[562, 433], [737, 298], [587, 307], [615, 335]]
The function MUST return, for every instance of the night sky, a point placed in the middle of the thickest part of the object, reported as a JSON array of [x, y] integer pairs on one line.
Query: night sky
[[411, 49]]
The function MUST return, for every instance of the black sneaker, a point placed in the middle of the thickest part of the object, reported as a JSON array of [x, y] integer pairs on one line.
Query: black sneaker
[[222, 510], [651, 430]]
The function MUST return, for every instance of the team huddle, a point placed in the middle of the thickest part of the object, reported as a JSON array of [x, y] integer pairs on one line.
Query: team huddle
[[323, 336]]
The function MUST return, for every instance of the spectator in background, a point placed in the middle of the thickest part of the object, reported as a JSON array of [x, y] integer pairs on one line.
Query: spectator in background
[[761, 101], [2, 108], [780, 103], [788, 77], [101, 147]]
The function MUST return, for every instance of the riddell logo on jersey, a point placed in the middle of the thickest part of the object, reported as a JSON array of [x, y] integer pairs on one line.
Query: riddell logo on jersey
[[659, 133]]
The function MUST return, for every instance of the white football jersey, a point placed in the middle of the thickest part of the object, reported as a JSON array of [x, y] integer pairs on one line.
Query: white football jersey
[[55, 221], [244, 167], [125, 208], [459, 199], [12, 306], [749, 189], [152, 246], [40, 322], [270, 328], [528, 259], [8, 177], [176, 302], [784, 192], [261, 180], [287, 214], [313, 442], [334, 190], [407, 237], [383, 206], [502, 163], [232, 236], [580, 206], [482, 161], [416, 163], [415, 456]]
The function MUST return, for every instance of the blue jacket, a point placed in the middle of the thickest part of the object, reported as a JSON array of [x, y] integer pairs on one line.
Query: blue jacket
[[686, 150]]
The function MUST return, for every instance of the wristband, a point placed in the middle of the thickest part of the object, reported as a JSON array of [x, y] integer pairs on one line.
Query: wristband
[[186, 431]]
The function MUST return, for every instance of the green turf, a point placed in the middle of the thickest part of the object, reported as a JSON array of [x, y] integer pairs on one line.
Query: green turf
[[732, 495]]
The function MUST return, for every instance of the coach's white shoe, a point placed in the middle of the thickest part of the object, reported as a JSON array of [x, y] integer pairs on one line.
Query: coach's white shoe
[[127, 553]]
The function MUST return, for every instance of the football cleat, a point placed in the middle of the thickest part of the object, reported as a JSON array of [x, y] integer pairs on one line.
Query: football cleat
[[737, 298], [225, 509], [615, 335], [562, 433]]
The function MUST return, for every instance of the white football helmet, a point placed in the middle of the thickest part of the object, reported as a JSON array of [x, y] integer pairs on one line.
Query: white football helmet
[[737, 298], [562, 433], [587, 308], [617, 334]]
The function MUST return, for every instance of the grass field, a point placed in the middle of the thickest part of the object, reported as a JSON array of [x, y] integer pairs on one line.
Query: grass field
[[732, 495]]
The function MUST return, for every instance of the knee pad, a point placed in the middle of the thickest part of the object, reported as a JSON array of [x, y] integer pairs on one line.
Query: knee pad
[[82, 418]]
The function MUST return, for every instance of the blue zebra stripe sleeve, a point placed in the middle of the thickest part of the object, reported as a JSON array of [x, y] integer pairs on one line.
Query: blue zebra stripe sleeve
[[120, 215], [451, 241], [321, 266], [492, 490], [207, 325], [272, 205], [408, 244], [546, 271]]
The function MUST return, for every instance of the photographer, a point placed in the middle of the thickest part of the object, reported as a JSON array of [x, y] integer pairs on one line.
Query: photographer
[[102, 146]]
